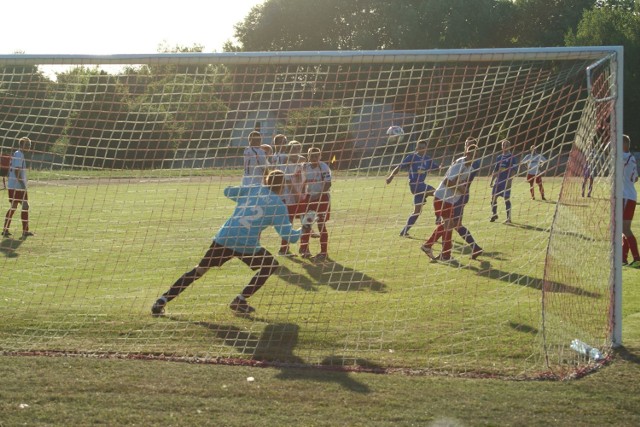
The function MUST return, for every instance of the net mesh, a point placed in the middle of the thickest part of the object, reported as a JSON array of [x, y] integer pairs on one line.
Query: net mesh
[[130, 158]]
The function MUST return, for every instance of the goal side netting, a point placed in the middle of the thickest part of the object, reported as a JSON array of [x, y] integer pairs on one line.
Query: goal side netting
[[131, 155]]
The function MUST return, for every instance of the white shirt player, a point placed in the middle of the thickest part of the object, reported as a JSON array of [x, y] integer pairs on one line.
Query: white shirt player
[[314, 178], [17, 162], [459, 172], [534, 162], [255, 165], [630, 176]]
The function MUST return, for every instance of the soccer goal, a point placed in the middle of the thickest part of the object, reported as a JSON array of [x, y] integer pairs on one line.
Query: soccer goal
[[131, 154]]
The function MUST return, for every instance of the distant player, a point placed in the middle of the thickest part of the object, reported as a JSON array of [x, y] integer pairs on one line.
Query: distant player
[[257, 208], [292, 195], [452, 188], [629, 201], [17, 189], [587, 174], [534, 162], [316, 183], [418, 164], [5, 164], [458, 210], [255, 161], [501, 179]]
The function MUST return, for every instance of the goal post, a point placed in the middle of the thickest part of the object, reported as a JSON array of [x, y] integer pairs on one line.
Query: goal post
[[131, 155]]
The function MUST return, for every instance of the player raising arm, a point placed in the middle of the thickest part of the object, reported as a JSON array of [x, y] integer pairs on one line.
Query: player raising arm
[[503, 171], [257, 207], [534, 162], [629, 201], [418, 164]]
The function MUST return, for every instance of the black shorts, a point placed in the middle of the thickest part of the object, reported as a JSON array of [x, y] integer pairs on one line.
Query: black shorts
[[217, 255]]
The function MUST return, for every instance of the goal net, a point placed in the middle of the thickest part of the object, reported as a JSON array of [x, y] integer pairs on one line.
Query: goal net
[[131, 155]]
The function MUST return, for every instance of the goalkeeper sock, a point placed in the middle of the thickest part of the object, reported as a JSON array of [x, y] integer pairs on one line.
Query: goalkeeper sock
[[507, 205], [180, 285]]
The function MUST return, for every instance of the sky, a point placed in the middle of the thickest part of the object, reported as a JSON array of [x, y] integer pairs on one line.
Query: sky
[[117, 26]]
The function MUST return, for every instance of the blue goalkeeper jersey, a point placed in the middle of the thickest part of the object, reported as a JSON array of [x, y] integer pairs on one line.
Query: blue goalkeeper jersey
[[257, 208]]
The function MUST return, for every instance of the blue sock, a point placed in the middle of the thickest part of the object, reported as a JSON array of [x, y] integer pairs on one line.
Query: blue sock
[[464, 233]]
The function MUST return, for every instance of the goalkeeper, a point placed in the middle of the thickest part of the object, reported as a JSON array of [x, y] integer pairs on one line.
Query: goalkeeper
[[258, 207]]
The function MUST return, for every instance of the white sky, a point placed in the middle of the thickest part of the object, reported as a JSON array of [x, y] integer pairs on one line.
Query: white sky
[[117, 26]]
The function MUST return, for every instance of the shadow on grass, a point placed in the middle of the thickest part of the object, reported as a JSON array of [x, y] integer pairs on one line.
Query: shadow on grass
[[337, 276], [529, 227], [276, 345], [520, 327], [627, 355], [9, 247], [531, 282]]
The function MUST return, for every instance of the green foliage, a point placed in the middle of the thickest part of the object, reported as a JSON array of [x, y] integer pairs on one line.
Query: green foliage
[[614, 24]]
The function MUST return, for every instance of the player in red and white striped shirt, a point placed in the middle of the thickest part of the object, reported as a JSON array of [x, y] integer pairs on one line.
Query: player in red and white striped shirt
[[316, 178]]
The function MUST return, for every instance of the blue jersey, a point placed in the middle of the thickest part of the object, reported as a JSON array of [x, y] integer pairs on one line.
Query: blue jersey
[[257, 208], [505, 165], [418, 167]]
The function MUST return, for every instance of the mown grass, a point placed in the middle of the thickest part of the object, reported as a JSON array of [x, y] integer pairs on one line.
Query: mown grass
[[106, 247]]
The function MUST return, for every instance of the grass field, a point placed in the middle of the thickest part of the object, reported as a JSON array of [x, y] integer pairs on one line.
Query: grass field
[[106, 247]]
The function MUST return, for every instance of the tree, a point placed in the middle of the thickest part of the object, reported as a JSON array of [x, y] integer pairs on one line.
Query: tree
[[544, 23], [617, 23], [375, 24]]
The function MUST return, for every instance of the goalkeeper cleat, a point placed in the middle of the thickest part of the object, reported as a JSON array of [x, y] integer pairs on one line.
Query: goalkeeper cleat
[[635, 264], [240, 306], [493, 218], [6, 233], [427, 250], [286, 253], [26, 234], [445, 258], [507, 221], [404, 233], [315, 235], [158, 307]]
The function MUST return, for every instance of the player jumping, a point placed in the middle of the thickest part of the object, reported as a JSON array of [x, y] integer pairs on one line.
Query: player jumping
[[418, 163], [449, 192]]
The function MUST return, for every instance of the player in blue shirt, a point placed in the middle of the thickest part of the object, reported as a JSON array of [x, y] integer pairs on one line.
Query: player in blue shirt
[[258, 207], [503, 172], [418, 164]]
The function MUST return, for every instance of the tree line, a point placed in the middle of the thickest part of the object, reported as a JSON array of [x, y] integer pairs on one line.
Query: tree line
[[310, 25]]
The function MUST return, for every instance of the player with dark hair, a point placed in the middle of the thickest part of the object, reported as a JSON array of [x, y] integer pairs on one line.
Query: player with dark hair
[[257, 207], [315, 177], [629, 201], [449, 192], [501, 178], [418, 164], [534, 162], [17, 189]]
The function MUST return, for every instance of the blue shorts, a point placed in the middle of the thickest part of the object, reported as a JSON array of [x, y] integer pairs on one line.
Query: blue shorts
[[501, 189], [419, 191]]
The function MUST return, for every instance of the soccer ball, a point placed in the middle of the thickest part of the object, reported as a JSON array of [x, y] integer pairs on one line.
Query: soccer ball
[[395, 134], [309, 218]]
